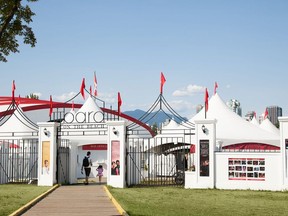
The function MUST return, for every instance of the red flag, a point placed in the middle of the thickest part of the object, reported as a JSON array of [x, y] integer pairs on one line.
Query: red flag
[[192, 149], [215, 87], [95, 85], [119, 102], [266, 113], [82, 88], [162, 81], [255, 115], [206, 100], [90, 90], [13, 90], [51, 106]]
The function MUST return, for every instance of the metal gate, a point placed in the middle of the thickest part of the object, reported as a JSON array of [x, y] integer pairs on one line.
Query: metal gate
[[18, 160], [63, 159], [158, 161]]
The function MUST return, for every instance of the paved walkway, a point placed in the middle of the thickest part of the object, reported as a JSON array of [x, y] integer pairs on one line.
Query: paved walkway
[[75, 200]]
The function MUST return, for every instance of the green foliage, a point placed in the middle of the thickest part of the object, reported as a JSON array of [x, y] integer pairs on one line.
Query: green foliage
[[32, 96], [154, 128], [13, 196], [277, 124], [14, 19], [179, 201]]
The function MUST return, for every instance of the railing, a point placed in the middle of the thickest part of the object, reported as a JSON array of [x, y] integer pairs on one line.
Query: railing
[[18, 160]]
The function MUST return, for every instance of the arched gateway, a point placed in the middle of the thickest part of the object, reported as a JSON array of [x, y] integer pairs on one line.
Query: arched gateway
[[112, 137], [61, 143]]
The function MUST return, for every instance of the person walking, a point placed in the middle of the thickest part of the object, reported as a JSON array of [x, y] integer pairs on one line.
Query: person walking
[[100, 172], [86, 164]]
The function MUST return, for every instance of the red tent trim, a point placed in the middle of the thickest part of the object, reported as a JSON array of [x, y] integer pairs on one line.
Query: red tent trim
[[251, 146]]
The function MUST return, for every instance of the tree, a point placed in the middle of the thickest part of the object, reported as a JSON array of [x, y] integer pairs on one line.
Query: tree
[[14, 20], [32, 96], [154, 128]]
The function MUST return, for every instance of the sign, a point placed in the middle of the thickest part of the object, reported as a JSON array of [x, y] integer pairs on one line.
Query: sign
[[251, 169], [45, 157], [115, 158], [84, 117], [204, 158], [95, 147]]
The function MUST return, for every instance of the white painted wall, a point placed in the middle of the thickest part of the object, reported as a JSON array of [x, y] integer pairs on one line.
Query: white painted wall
[[117, 181], [193, 179], [273, 169], [47, 179]]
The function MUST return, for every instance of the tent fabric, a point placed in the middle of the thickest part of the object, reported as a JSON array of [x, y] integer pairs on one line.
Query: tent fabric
[[254, 121], [268, 126], [91, 111], [90, 106], [231, 128], [18, 123]]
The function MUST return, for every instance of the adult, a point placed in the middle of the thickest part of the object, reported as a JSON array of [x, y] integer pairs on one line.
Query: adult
[[86, 164], [118, 166], [185, 162], [114, 169]]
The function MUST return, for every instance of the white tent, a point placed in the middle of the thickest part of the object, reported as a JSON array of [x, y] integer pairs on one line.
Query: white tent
[[17, 123], [268, 126], [93, 110], [254, 121], [170, 128], [90, 105], [232, 129]]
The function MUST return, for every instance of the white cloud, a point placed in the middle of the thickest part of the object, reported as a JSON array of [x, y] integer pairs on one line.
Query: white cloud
[[184, 108], [189, 90], [228, 86], [109, 98], [65, 97]]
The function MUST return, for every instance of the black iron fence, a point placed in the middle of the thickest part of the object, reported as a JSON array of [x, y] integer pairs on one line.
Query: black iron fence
[[18, 160], [63, 161], [156, 162]]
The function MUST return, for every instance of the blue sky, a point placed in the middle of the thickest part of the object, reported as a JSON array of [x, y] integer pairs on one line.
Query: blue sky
[[243, 45]]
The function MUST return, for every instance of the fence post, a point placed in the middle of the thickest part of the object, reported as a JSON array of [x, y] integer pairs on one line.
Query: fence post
[[116, 152], [204, 175], [47, 153]]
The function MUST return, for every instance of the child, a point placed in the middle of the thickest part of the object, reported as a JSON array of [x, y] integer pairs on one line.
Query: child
[[100, 172]]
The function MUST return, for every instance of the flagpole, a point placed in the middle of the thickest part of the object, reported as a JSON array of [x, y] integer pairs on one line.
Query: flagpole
[[162, 81], [160, 101]]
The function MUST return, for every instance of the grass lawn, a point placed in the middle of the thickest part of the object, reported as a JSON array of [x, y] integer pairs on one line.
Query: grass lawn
[[14, 196], [179, 201]]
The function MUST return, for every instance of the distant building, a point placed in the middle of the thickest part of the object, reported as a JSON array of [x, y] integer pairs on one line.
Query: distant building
[[199, 107], [234, 105], [273, 113], [249, 115]]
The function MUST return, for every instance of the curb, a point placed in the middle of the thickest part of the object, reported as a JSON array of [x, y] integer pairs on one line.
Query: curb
[[117, 205], [33, 202]]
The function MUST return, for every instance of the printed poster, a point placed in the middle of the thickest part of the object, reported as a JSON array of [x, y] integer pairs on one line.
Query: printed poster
[[45, 157], [115, 158]]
